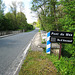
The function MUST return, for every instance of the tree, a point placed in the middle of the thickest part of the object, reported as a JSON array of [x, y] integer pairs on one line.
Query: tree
[[14, 11], [21, 6], [2, 5], [38, 23], [34, 23], [21, 21], [46, 11], [11, 20], [68, 19]]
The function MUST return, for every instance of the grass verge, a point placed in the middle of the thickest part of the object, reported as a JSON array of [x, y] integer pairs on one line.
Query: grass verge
[[37, 63]]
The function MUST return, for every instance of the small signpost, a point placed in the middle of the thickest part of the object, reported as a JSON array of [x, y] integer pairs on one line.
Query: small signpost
[[61, 40], [61, 34], [61, 37]]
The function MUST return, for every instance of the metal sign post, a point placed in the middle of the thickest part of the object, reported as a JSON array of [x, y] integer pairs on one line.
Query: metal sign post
[[60, 50], [61, 37]]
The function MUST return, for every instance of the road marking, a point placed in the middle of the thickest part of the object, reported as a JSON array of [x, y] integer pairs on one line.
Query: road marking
[[24, 55]]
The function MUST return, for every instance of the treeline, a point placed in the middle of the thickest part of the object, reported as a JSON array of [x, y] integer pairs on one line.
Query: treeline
[[58, 16], [13, 20], [55, 15]]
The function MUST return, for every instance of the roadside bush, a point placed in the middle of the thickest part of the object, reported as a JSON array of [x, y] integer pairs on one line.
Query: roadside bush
[[68, 50], [66, 66], [30, 27]]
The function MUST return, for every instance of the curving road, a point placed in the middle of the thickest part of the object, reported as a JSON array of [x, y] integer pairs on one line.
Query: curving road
[[11, 47]]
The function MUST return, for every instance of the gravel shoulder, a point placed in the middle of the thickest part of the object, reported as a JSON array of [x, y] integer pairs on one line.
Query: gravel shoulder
[[36, 42]]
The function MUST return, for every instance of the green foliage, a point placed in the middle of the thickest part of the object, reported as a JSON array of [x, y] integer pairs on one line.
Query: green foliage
[[2, 6], [22, 21], [68, 24], [30, 27], [68, 50], [46, 14], [1, 13], [66, 66], [38, 23], [59, 15], [8, 23], [43, 41], [13, 20]]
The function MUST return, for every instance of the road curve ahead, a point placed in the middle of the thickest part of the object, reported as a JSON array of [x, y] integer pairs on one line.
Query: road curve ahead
[[11, 47]]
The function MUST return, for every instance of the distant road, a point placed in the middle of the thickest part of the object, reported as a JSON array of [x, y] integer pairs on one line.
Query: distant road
[[11, 47]]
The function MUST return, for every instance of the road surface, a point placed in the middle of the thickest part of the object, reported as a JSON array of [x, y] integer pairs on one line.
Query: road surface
[[11, 47]]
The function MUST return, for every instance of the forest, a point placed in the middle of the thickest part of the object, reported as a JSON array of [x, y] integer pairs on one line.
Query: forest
[[58, 15], [13, 20]]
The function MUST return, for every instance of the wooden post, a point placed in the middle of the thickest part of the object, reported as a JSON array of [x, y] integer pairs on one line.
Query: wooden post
[[60, 50]]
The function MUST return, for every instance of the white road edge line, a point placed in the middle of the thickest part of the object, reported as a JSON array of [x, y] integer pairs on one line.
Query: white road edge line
[[24, 54], [22, 58]]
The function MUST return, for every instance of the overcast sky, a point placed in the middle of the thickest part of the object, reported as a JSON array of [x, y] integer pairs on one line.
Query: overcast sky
[[27, 11]]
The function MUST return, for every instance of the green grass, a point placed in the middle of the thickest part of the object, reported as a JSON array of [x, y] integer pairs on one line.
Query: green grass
[[37, 63], [43, 41]]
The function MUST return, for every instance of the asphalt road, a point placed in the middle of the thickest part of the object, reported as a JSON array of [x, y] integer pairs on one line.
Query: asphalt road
[[11, 47]]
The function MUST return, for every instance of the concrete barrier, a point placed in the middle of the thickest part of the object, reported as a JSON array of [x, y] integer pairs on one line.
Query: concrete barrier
[[44, 35], [9, 32]]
